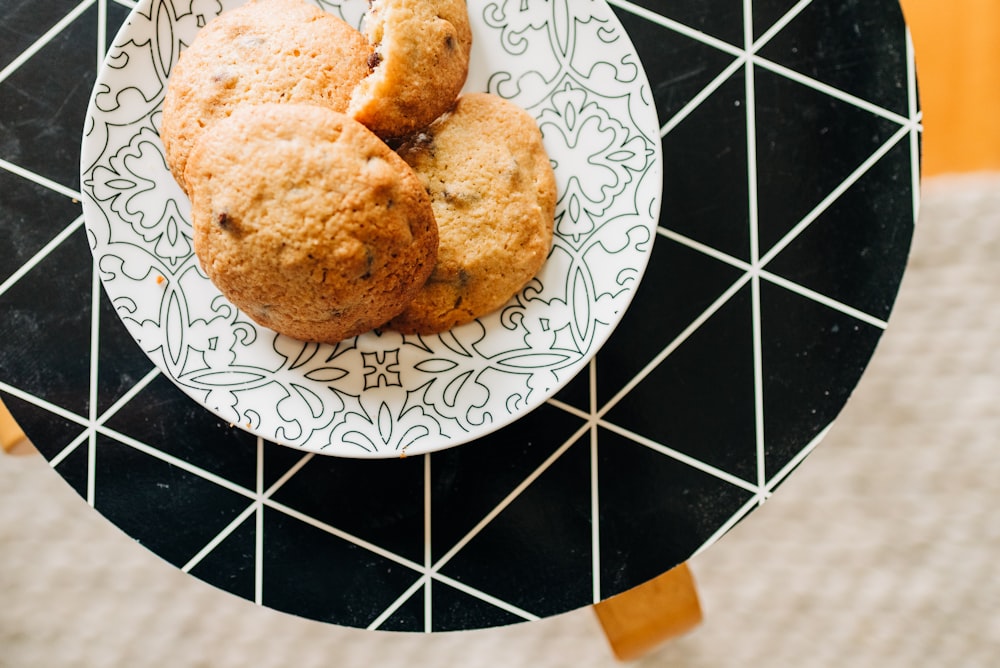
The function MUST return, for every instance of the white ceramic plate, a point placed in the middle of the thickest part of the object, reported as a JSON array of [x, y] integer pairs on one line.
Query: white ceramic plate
[[569, 63]]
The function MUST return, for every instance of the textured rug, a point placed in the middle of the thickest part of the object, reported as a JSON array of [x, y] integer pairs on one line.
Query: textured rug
[[881, 550]]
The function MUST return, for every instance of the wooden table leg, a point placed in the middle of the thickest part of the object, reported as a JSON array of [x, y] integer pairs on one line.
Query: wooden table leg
[[12, 439], [638, 620]]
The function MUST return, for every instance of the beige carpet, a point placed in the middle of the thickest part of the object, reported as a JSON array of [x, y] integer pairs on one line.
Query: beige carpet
[[883, 549]]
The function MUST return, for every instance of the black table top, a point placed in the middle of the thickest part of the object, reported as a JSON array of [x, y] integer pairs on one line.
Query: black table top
[[790, 134]]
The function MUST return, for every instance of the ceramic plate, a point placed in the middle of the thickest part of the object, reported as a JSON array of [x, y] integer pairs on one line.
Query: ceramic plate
[[568, 62]]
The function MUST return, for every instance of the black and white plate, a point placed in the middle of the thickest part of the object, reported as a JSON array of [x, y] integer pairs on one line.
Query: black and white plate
[[570, 64]]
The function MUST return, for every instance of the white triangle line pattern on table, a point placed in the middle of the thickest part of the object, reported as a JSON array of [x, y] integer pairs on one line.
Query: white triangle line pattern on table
[[763, 495], [32, 262], [45, 38], [745, 56], [822, 299], [750, 110], [703, 95], [748, 53], [423, 582], [107, 415], [40, 180], [773, 278], [428, 553], [676, 26], [916, 118], [253, 508], [833, 92], [96, 294], [258, 535], [595, 499], [513, 494]]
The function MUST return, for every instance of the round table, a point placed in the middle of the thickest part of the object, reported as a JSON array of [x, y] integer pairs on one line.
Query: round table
[[791, 135]]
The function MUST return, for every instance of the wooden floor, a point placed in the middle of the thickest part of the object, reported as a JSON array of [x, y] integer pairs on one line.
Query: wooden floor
[[957, 46]]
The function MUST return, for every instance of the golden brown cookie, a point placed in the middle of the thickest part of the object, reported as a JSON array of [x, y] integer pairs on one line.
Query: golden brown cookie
[[264, 51], [307, 221], [418, 67], [494, 196]]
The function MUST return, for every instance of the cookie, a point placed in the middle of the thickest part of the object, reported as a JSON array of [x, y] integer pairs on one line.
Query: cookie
[[308, 222], [494, 195], [418, 67], [264, 51]]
